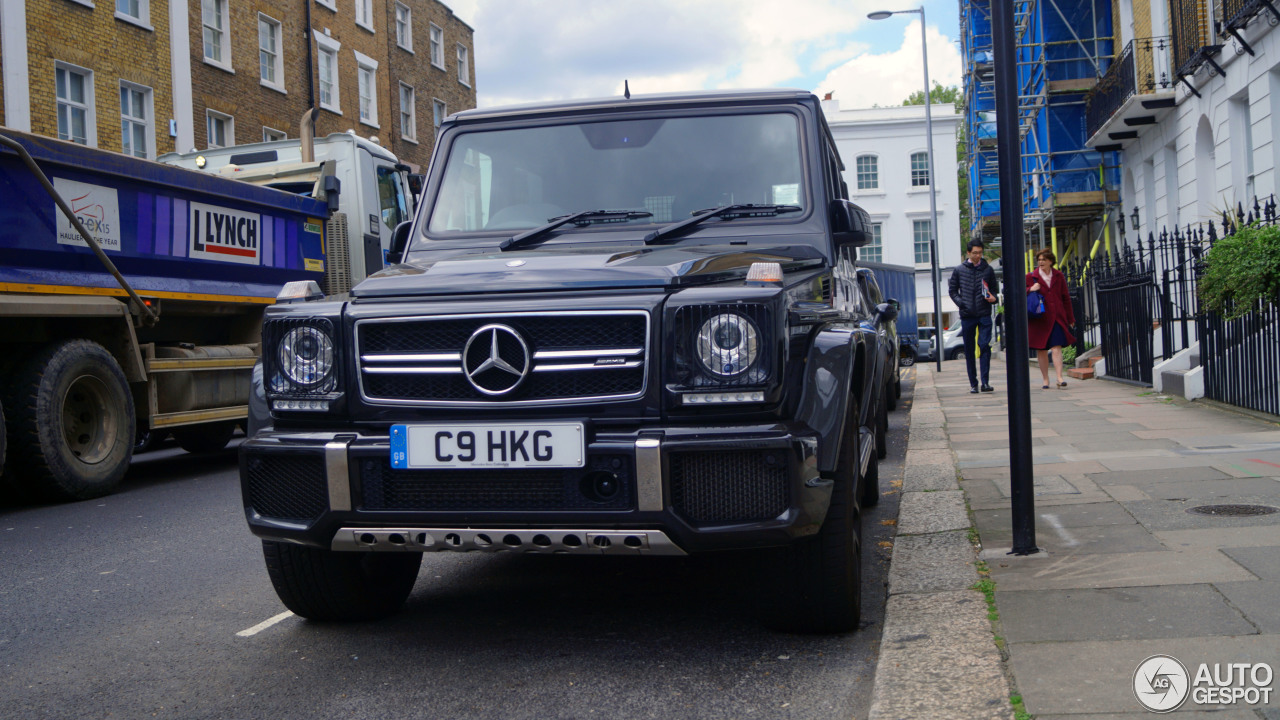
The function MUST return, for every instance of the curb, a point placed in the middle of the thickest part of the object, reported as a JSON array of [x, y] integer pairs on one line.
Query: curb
[[938, 656]]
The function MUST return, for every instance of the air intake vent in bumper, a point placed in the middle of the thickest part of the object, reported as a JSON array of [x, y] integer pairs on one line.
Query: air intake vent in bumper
[[723, 486]]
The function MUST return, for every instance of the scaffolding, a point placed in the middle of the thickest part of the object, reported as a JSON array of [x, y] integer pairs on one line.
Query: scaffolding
[[1062, 48]]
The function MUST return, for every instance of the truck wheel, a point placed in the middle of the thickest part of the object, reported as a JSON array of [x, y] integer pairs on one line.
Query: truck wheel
[[327, 585], [882, 431], [815, 585], [871, 484], [206, 438], [72, 424]]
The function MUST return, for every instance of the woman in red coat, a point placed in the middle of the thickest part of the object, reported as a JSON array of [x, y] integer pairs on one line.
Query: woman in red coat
[[1049, 332]]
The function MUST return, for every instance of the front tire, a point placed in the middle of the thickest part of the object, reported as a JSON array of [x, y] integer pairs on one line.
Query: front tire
[[71, 418], [325, 585]]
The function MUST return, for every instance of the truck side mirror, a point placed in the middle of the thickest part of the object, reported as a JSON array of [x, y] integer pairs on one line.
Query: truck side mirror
[[416, 181], [332, 191], [887, 311], [399, 241], [850, 224]]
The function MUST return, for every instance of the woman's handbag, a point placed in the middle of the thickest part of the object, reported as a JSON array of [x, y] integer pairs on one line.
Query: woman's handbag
[[1035, 304]]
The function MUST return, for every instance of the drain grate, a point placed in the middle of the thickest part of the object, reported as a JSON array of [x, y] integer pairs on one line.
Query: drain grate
[[1232, 510]]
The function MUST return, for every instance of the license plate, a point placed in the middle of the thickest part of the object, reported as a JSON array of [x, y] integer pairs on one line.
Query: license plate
[[488, 445]]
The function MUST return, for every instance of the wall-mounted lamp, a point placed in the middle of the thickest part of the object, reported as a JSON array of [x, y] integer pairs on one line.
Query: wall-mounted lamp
[[1134, 217]]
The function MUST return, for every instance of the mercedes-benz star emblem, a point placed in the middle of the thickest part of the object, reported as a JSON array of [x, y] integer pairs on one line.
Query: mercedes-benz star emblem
[[495, 360]]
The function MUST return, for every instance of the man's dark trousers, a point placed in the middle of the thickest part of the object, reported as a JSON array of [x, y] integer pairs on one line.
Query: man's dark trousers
[[981, 327]]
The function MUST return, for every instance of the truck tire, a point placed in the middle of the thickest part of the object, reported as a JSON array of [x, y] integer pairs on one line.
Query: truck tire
[[871, 483], [210, 437], [325, 585], [909, 359], [815, 585], [71, 421]]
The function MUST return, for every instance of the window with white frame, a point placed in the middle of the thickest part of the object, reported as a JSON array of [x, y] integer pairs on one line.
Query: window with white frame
[[136, 127], [408, 113], [364, 14], [439, 111], [920, 233], [217, 41], [75, 104], [404, 26], [220, 130], [367, 88], [919, 169], [873, 251], [868, 172], [137, 11], [327, 71], [269, 134], [270, 61], [464, 66], [437, 46]]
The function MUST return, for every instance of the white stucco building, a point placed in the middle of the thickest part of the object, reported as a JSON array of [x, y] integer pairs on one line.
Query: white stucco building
[[885, 156]]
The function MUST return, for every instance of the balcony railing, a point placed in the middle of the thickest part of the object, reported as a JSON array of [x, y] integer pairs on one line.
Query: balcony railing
[[1143, 67], [1190, 23], [1238, 13]]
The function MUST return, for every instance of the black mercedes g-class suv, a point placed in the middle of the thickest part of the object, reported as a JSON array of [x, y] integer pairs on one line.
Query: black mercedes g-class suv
[[622, 326]]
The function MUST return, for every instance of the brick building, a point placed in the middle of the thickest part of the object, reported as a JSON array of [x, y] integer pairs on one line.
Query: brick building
[[152, 76]]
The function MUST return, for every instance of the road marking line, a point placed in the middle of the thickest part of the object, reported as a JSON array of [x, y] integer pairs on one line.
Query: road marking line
[[264, 625]]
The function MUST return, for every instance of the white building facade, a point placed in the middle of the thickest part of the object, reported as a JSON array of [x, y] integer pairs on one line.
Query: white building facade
[[885, 154]]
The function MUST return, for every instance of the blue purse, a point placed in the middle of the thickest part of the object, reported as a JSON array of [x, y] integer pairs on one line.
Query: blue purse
[[1035, 304]]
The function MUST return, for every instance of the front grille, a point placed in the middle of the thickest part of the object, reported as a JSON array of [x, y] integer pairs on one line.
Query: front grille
[[570, 356], [729, 486], [498, 490], [291, 488]]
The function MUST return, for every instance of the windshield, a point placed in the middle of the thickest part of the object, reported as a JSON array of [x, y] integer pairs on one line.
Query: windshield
[[502, 180]]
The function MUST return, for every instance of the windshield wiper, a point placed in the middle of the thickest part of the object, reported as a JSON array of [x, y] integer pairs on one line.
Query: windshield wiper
[[726, 212], [586, 217]]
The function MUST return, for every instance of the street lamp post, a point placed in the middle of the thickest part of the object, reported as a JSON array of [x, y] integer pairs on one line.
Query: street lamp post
[[933, 178]]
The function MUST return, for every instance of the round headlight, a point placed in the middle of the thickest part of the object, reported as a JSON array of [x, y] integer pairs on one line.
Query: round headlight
[[728, 344], [306, 355]]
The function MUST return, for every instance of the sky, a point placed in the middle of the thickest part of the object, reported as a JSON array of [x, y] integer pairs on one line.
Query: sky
[[536, 50]]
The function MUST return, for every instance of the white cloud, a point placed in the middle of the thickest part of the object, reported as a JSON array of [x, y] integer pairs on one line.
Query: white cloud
[[889, 78]]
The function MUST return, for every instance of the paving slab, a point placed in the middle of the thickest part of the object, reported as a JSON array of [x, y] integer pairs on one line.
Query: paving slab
[[931, 512], [1173, 474], [926, 434], [1221, 537], [1061, 541], [1076, 516], [1158, 515], [1043, 485], [1118, 613], [1225, 490], [1133, 569], [935, 646], [932, 563], [1096, 676], [918, 478], [1263, 562], [1257, 601], [928, 457]]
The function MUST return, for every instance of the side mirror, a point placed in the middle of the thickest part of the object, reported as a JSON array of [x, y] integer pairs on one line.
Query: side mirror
[[897, 306], [399, 241], [887, 311], [416, 182], [850, 224], [332, 190]]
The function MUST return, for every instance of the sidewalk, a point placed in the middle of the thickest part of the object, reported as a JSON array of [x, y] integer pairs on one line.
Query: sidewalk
[[1128, 571]]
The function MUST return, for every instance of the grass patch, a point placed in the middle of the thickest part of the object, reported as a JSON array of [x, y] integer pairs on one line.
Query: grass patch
[[1019, 710]]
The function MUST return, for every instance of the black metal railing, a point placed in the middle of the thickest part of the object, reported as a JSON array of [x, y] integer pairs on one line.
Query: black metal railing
[[1238, 13], [1189, 20], [1142, 67]]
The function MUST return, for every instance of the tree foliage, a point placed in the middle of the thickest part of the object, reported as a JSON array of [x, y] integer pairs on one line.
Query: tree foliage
[[1242, 271], [938, 96]]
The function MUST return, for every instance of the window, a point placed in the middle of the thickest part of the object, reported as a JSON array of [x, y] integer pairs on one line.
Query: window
[[404, 26], [437, 46], [135, 120], [217, 44], [75, 104], [439, 111], [327, 71], [873, 251], [464, 66], [868, 172], [135, 11], [408, 114], [920, 231], [367, 88], [364, 14], [220, 130], [270, 63], [919, 169], [269, 134]]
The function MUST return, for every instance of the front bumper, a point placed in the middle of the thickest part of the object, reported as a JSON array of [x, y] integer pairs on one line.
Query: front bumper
[[642, 490]]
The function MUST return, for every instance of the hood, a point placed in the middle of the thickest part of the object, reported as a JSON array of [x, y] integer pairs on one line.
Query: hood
[[579, 269]]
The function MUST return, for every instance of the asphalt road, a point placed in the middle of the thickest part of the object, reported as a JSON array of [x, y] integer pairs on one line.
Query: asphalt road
[[151, 603]]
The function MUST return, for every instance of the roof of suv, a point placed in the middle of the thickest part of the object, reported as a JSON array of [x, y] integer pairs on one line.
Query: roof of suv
[[619, 102]]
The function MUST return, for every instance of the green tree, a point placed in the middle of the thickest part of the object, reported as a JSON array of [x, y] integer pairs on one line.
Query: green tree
[[942, 95]]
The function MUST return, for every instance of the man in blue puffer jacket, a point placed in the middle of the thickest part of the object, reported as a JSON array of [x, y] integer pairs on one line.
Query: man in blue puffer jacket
[[973, 288]]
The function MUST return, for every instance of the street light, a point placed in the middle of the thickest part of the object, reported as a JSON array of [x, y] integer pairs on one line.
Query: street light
[[933, 178]]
